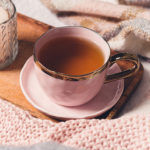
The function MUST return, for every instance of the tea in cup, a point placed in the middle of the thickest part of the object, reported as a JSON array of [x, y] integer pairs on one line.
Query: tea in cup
[[71, 64]]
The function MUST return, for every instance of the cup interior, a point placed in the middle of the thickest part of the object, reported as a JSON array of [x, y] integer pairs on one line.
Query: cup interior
[[80, 32]]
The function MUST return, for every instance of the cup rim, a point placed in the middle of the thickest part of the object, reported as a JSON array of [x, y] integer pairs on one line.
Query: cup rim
[[12, 16], [64, 76]]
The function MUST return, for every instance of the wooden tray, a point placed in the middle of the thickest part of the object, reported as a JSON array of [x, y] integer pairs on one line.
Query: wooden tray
[[9, 78]]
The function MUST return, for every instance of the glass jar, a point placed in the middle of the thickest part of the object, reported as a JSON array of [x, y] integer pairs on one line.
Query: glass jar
[[8, 33]]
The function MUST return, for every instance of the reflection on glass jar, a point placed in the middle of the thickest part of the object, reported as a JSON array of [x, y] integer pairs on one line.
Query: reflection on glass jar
[[8, 33]]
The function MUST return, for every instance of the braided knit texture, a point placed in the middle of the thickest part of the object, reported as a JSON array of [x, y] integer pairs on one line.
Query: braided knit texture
[[145, 3], [18, 127]]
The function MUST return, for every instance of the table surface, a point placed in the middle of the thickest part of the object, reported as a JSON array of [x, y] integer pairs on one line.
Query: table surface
[[139, 103]]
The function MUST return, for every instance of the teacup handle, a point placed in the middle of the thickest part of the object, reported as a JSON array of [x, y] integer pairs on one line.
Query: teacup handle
[[123, 74]]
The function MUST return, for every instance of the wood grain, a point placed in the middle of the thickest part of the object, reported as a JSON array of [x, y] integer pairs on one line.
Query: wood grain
[[9, 78], [130, 86], [9, 81], [30, 29]]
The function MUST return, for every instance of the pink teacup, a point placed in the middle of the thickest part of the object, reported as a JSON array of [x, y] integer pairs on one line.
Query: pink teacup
[[74, 90]]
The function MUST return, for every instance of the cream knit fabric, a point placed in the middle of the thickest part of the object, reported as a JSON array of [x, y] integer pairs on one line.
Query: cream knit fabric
[[145, 3], [128, 36], [131, 36], [17, 127]]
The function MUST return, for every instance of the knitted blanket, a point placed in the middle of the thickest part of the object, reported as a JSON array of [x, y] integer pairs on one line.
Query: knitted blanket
[[17, 127]]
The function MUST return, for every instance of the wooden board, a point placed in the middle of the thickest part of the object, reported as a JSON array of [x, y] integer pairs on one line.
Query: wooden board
[[9, 81], [10, 88]]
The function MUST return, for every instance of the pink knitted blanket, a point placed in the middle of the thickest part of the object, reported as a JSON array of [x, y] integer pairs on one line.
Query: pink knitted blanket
[[18, 127]]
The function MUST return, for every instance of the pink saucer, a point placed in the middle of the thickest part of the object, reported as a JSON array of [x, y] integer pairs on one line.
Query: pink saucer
[[103, 101]]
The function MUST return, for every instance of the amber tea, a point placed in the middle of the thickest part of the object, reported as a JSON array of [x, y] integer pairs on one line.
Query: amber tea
[[71, 55]]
